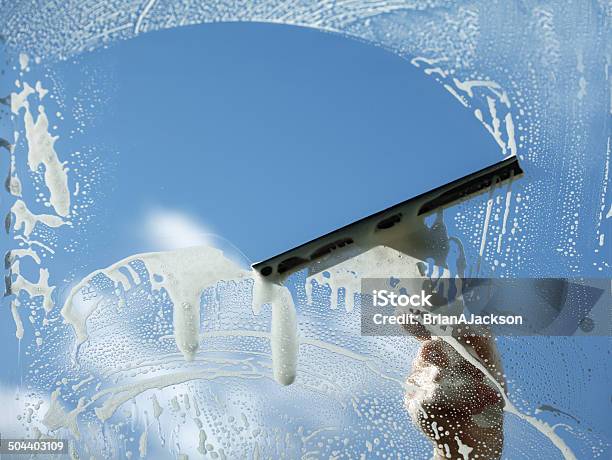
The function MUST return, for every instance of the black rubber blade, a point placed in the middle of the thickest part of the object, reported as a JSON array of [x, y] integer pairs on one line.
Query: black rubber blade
[[420, 205]]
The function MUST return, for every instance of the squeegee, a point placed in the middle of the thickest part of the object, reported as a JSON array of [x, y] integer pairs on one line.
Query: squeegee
[[399, 226]]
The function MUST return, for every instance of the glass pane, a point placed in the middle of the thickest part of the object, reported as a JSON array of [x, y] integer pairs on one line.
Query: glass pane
[[155, 150]]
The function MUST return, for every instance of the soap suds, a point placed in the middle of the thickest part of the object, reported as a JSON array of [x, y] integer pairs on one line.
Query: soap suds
[[42, 152], [184, 274], [548, 103], [25, 220]]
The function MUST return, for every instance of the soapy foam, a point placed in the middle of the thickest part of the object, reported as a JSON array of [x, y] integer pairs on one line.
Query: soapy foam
[[378, 262], [184, 274], [20, 253], [400, 266], [283, 331], [42, 152], [454, 56], [35, 289], [41, 146], [25, 220]]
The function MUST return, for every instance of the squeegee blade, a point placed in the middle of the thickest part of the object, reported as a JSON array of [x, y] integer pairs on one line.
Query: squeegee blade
[[387, 224]]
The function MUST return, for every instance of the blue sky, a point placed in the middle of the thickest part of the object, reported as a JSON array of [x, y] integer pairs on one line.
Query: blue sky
[[265, 135], [269, 144]]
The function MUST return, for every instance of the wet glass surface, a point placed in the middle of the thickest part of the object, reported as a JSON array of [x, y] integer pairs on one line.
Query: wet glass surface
[[252, 138]]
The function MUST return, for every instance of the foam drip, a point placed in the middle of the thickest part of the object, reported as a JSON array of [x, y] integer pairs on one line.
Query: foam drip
[[184, 274]]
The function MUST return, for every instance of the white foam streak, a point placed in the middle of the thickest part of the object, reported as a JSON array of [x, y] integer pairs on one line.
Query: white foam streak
[[41, 151], [26, 220], [284, 340], [184, 274]]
